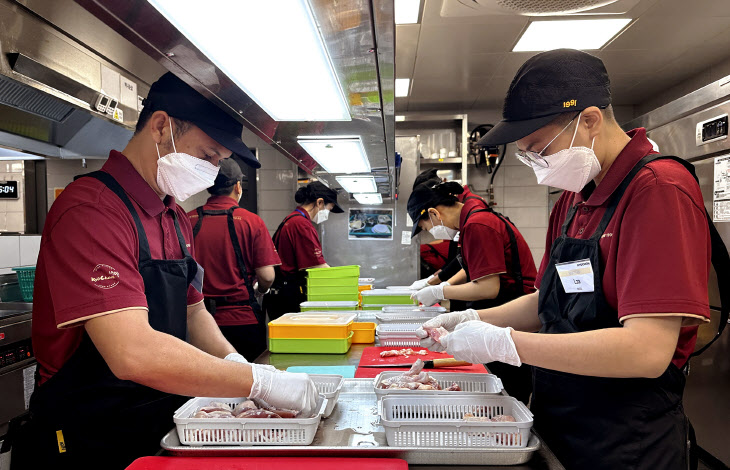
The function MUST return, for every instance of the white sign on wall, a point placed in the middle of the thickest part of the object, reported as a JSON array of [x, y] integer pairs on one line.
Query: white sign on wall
[[721, 190]]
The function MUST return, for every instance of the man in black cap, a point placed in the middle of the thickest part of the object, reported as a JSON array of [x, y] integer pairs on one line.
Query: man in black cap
[[622, 286], [120, 330], [234, 247]]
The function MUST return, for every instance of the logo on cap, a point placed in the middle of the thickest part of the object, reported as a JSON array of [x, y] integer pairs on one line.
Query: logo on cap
[[104, 276], [571, 103]]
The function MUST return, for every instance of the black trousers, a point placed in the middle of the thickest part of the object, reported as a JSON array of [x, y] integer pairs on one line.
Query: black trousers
[[517, 381], [249, 340]]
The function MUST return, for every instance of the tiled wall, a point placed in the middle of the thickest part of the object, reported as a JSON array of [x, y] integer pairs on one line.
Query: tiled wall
[[61, 172], [12, 211], [277, 183], [18, 251]]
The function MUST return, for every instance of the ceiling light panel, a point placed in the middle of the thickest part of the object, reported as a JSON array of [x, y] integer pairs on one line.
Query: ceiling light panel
[[399, 118], [337, 154], [402, 87], [358, 184], [406, 11], [575, 34], [231, 33], [369, 198]]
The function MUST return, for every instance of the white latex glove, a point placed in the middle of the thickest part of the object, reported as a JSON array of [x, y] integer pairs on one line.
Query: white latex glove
[[430, 295], [235, 357], [284, 390], [449, 321], [259, 295], [479, 342], [418, 285]]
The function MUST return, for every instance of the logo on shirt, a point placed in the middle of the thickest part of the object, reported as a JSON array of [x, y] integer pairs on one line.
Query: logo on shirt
[[607, 235], [104, 276]]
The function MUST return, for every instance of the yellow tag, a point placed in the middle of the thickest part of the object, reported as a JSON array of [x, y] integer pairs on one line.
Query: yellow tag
[[568, 104], [61, 442]]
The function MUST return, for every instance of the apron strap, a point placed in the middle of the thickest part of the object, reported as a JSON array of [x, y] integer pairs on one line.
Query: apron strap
[[277, 234], [116, 188], [199, 223], [180, 238]]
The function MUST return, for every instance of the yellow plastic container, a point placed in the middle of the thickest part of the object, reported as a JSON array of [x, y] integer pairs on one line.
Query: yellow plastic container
[[306, 325], [364, 332]]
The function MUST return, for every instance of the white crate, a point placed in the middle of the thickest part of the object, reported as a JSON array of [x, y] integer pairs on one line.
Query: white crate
[[244, 432], [398, 335], [420, 421], [328, 386], [410, 308], [482, 384], [405, 316]]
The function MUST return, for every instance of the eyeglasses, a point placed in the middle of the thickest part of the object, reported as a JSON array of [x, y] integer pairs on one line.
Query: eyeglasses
[[532, 159]]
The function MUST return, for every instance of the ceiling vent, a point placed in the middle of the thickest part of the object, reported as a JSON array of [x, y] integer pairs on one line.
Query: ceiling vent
[[459, 8]]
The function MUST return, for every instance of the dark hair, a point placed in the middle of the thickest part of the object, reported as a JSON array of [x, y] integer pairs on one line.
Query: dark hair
[[427, 176], [563, 119], [180, 127], [305, 195], [222, 191], [444, 194]]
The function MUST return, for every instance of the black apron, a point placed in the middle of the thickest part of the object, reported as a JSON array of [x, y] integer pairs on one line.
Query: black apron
[[605, 423], [85, 417], [288, 290], [212, 303], [517, 381]]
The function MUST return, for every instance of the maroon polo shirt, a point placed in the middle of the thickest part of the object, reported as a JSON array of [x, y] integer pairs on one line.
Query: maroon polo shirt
[[436, 254], [89, 257], [486, 250], [467, 193], [656, 250], [214, 251], [299, 246]]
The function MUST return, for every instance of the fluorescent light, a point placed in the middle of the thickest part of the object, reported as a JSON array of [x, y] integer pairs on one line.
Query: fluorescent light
[[402, 86], [358, 184], [241, 38], [406, 11], [336, 154], [575, 34], [368, 198], [400, 118]]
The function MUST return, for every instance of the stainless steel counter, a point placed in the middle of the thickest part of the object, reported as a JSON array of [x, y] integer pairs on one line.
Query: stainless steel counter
[[543, 459]]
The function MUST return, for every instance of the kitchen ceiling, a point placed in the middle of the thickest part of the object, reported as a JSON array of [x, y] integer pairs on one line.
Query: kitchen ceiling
[[460, 64]]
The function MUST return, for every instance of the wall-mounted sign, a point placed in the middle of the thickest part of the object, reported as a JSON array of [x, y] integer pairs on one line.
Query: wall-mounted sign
[[370, 224], [8, 190]]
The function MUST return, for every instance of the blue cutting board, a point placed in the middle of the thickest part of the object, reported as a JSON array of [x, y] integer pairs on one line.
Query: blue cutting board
[[347, 372]]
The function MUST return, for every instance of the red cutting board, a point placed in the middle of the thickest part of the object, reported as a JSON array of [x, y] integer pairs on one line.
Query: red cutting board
[[265, 463], [371, 355]]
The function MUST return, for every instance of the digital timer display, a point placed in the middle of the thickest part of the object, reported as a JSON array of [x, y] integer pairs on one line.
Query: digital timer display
[[8, 190]]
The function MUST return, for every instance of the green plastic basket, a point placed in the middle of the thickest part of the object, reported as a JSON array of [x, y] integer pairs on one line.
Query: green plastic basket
[[334, 272], [315, 282], [348, 290], [26, 277], [329, 297], [311, 345]]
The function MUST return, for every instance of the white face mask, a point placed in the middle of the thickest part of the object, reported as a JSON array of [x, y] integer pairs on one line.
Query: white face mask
[[181, 175], [570, 169], [441, 232], [321, 216]]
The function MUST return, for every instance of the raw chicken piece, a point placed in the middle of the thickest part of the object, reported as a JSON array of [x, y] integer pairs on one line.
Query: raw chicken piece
[[219, 414], [286, 413], [504, 419], [416, 368], [426, 387], [258, 414], [403, 352], [437, 333], [454, 388], [244, 406], [211, 409], [245, 409], [471, 417]]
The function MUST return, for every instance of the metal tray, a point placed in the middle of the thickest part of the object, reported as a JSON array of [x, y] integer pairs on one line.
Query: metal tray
[[353, 431]]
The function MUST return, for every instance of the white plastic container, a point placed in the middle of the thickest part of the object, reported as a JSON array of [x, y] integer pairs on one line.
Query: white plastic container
[[432, 421], [366, 281], [481, 384], [412, 308], [405, 316], [398, 334], [401, 288], [328, 386], [244, 432]]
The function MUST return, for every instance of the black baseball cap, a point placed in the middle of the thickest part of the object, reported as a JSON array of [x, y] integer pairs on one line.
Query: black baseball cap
[[319, 190], [181, 101], [427, 176], [421, 200], [229, 173], [548, 84]]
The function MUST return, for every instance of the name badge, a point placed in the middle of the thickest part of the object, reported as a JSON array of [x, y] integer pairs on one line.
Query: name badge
[[576, 276], [198, 281]]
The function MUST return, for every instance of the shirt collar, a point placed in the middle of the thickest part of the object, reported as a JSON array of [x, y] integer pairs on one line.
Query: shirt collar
[[135, 186], [300, 208], [637, 148], [468, 205], [221, 201]]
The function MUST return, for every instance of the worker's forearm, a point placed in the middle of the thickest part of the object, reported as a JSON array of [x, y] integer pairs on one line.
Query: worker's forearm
[[204, 333], [168, 364], [470, 291], [265, 285], [458, 278], [520, 314], [608, 352]]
